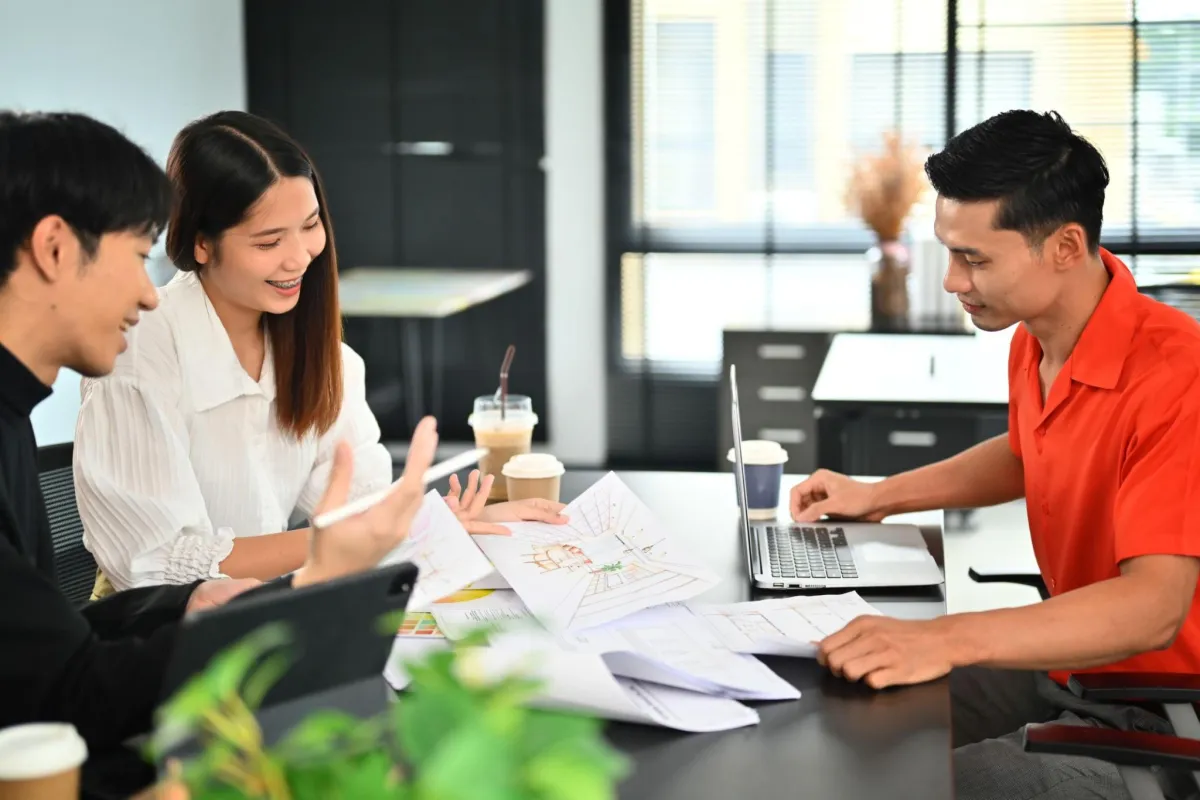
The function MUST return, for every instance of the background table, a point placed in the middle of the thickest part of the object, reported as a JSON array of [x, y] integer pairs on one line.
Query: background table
[[412, 295], [838, 740]]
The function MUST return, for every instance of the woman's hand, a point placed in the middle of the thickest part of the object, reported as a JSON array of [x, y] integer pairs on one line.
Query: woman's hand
[[477, 517]]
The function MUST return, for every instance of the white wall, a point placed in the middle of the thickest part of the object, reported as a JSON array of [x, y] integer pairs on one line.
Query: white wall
[[147, 67], [575, 320]]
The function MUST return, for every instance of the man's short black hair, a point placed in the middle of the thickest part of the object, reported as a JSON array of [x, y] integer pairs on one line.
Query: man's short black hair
[[80, 169], [1043, 173]]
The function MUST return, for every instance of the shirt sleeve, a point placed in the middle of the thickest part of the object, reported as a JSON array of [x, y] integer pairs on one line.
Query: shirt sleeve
[[1157, 506], [1016, 381], [54, 667], [143, 513], [356, 425]]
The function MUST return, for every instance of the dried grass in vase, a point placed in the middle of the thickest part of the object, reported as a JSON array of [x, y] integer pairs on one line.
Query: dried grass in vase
[[884, 187]]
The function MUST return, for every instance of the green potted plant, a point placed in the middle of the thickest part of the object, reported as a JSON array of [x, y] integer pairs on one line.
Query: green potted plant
[[449, 737]]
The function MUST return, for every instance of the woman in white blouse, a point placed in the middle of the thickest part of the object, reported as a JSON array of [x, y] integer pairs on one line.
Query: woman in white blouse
[[216, 431]]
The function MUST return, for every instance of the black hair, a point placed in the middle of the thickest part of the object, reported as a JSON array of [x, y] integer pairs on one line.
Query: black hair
[[1043, 174], [80, 169]]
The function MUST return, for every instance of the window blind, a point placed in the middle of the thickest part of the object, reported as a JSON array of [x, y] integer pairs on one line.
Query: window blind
[[747, 115], [1125, 74]]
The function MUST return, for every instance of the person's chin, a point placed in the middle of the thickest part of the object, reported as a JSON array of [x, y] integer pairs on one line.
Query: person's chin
[[94, 365], [277, 303]]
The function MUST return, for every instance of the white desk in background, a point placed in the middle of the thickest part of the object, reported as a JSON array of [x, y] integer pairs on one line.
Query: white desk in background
[[910, 369], [889, 403], [412, 295]]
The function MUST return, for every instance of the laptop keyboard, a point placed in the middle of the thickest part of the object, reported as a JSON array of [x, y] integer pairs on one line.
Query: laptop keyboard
[[802, 552]]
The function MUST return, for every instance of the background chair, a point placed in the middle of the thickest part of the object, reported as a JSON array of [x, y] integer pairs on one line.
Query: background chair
[[74, 565]]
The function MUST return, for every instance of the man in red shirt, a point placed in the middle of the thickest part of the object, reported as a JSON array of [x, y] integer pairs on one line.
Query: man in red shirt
[[1103, 444]]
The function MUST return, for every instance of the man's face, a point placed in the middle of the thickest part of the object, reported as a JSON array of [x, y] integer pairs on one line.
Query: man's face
[[999, 279], [102, 299]]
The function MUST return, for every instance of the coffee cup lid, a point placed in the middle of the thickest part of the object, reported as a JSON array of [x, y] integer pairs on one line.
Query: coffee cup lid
[[39, 750], [514, 420], [759, 452], [533, 465]]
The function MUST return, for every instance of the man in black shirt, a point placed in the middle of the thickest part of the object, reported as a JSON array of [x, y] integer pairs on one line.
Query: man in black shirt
[[80, 208]]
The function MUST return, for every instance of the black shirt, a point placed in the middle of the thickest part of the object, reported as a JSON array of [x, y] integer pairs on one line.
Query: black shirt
[[99, 668]]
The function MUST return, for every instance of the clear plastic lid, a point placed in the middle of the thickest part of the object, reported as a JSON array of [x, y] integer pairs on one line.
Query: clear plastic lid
[[533, 465], [39, 750], [517, 412]]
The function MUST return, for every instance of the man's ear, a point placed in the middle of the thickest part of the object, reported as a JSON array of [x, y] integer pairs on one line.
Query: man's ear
[[1067, 247], [54, 248]]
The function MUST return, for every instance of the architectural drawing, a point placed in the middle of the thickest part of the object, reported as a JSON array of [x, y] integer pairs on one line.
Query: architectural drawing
[[611, 559], [443, 551]]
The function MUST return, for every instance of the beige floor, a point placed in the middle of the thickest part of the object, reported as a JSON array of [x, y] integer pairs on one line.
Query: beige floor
[[997, 537]]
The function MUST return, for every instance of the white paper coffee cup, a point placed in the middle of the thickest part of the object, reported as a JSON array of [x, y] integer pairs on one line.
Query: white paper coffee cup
[[41, 760], [764, 462], [530, 475]]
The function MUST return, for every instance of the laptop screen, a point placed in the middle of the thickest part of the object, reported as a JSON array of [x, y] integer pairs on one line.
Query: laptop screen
[[739, 466]]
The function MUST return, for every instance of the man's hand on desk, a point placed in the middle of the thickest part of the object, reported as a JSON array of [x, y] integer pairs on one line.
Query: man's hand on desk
[[830, 493], [470, 506], [882, 651], [211, 594], [360, 542]]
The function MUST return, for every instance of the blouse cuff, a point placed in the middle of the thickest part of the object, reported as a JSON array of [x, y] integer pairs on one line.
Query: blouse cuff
[[198, 556]]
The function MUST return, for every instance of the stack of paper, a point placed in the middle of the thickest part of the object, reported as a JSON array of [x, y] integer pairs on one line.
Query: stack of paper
[[597, 611]]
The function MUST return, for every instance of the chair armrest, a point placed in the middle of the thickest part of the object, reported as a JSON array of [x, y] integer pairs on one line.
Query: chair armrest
[[1136, 687], [1030, 579], [1127, 748]]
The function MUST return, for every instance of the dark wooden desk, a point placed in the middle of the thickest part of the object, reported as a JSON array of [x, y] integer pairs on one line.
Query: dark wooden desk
[[838, 740]]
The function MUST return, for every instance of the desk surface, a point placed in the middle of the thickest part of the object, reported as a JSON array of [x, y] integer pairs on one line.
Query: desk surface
[[914, 368], [838, 740], [417, 293]]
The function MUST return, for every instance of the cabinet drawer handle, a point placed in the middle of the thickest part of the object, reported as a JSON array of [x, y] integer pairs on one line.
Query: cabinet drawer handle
[[783, 435], [782, 394], [785, 352], [912, 438], [424, 148]]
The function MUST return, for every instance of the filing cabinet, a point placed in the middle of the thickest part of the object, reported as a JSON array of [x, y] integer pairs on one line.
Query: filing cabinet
[[776, 372]]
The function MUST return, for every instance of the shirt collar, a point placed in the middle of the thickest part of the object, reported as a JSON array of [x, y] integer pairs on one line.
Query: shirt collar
[[210, 367], [20, 389], [1099, 355]]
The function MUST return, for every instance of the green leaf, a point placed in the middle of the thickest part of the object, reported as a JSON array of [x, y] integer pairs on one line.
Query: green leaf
[[264, 675], [328, 733], [545, 729], [579, 771], [473, 763], [179, 718]]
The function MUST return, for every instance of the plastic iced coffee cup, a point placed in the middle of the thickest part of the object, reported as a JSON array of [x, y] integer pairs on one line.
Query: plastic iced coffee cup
[[533, 475], [504, 434], [40, 761]]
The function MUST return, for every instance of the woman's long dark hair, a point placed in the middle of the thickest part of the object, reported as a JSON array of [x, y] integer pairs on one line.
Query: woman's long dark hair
[[220, 166]]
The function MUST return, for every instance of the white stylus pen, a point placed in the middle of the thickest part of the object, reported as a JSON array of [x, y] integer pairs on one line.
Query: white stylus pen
[[434, 473]]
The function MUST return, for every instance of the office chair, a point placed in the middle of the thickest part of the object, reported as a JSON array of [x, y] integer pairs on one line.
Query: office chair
[[73, 564], [1134, 753]]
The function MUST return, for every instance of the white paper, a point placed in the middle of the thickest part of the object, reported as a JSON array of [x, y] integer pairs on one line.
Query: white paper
[[611, 559], [493, 581], [443, 550], [578, 681], [497, 610], [673, 646], [404, 649], [789, 626]]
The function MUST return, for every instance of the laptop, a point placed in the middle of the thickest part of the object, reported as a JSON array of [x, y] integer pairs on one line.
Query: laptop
[[827, 554]]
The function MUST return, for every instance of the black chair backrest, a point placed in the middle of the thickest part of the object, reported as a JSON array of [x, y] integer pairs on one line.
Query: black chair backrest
[[74, 565]]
